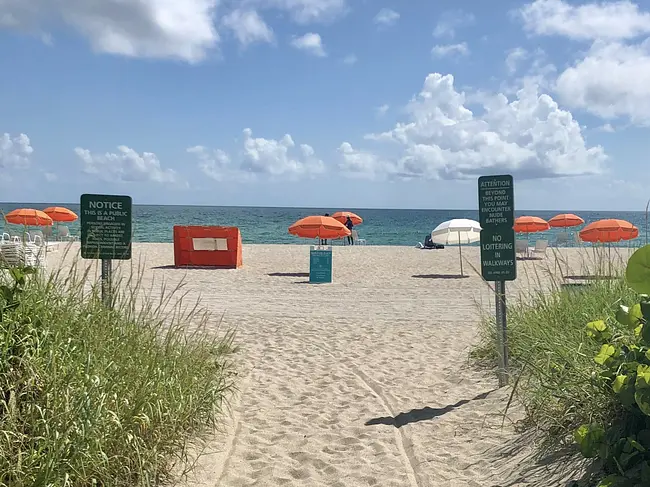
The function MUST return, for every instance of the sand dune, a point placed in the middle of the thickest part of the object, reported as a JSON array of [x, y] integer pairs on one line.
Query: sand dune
[[362, 382]]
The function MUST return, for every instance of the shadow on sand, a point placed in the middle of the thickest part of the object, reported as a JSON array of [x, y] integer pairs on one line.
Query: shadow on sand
[[439, 276], [288, 274], [424, 414], [193, 267]]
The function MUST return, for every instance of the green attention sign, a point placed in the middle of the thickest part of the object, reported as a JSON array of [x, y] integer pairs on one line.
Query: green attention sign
[[105, 227], [496, 204]]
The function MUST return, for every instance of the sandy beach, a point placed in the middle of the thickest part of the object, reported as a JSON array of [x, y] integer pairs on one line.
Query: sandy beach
[[362, 382]]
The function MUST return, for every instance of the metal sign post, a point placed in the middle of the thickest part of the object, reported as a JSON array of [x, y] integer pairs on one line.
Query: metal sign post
[[107, 279], [498, 254], [106, 223]]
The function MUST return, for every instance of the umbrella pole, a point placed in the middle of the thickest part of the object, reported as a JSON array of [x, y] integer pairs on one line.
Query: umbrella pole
[[460, 253]]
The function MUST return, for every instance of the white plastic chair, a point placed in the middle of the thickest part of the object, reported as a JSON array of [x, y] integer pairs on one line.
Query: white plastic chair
[[521, 247], [562, 238], [540, 248], [64, 233], [356, 239]]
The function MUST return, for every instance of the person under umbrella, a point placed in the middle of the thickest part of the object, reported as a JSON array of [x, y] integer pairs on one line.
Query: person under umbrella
[[349, 225]]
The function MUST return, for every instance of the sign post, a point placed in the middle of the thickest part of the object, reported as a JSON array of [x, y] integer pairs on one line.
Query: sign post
[[106, 232], [496, 204]]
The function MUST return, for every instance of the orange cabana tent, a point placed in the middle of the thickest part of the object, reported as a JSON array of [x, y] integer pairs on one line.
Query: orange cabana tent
[[323, 227]]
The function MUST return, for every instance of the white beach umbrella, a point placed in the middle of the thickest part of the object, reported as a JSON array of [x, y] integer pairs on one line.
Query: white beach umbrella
[[459, 231]]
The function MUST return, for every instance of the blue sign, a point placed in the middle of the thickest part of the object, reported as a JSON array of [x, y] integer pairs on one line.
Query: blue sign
[[320, 266]]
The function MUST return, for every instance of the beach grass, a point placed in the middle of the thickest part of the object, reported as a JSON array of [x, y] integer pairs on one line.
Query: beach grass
[[550, 356], [97, 396]]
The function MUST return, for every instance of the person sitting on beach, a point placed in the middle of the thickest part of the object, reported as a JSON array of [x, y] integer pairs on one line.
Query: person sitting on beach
[[350, 225]]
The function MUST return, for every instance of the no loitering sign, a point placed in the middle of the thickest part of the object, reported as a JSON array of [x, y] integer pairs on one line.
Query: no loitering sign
[[497, 218]]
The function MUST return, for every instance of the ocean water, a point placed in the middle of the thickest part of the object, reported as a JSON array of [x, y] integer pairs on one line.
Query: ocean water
[[269, 225]]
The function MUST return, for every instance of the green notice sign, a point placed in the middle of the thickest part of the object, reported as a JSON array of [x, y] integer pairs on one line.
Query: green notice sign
[[105, 226], [496, 205], [320, 266]]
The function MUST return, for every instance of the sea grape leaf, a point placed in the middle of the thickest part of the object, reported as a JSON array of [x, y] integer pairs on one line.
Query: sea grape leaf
[[623, 386], [589, 437], [619, 383], [642, 399], [629, 317], [606, 351], [643, 377], [645, 333], [598, 330], [637, 272]]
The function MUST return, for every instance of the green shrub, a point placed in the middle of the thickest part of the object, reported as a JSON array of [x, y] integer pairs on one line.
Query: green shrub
[[94, 396], [622, 371], [551, 358]]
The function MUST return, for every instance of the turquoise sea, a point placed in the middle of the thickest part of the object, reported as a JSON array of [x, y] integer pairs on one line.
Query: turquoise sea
[[269, 225]]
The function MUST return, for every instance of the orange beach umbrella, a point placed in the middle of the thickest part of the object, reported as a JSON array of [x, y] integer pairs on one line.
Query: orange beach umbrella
[[608, 231], [60, 214], [530, 224], [324, 227], [342, 216], [565, 220], [29, 217]]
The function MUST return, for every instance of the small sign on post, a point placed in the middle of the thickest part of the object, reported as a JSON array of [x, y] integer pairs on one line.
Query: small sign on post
[[106, 233], [320, 265], [496, 205]]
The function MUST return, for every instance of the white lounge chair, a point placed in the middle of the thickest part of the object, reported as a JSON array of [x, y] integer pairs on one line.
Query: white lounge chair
[[64, 233], [12, 254], [577, 239], [562, 238], [356, 239], [540, 248], [521, 247]]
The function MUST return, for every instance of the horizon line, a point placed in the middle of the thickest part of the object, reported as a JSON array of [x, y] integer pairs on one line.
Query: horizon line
[[312, 207]]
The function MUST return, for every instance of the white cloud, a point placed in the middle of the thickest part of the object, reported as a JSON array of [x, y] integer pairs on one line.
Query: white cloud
[[450, 21], [307, 11], [530, 137], [259, 156], [613, 80], [363, 164], [606, 128], [126, 165], [145, 28], [248, 27], [386, 17], [514, 57], [450, 49], [603, 20], [310, 43], [381, 110], [15, 152], [350, 59]]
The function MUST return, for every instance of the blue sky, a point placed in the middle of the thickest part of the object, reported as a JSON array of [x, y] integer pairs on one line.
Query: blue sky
[[325, 102]]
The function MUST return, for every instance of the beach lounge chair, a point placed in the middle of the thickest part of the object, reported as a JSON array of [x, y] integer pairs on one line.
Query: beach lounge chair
[[577, 239], [561, 239], [356, 239], [540, 248], [521, 247], [64, 233]]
